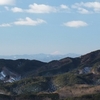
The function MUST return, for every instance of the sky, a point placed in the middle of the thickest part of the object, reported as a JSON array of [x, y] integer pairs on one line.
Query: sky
[[49, 26]]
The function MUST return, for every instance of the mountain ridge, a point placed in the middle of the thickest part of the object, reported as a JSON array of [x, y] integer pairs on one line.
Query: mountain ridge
[[64, 65]]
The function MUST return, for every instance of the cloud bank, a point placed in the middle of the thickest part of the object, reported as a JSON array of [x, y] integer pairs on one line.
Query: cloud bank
[[40, 8], [36, 8], [87, 7]]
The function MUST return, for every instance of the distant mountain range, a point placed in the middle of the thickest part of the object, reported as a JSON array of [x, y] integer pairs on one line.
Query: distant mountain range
[[40, 57]]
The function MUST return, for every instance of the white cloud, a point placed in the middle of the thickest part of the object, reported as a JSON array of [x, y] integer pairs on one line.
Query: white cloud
[[92, 6], [75, 24], [40, 8], [5, 25], [83, 11], [16, 9], [29, 21], [64, 6], [80, 8], [7, 2]]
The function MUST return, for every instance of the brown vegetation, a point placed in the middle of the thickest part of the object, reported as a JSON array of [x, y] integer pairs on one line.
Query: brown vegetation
[[78, 90]]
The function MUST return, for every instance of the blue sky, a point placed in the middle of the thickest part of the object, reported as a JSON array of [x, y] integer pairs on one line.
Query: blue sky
[[49, 26]]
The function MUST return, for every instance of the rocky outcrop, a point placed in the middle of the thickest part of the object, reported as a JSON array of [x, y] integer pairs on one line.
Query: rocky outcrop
[[9, 76]]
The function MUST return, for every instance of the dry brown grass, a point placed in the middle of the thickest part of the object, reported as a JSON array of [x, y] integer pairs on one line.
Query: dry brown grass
[[78, 90]]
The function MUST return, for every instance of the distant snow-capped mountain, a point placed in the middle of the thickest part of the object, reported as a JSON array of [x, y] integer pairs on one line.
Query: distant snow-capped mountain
[[41, 57]]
